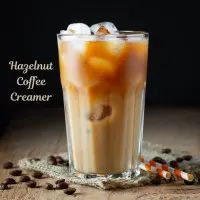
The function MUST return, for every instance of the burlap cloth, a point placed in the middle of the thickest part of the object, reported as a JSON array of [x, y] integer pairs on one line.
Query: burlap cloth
[[149, 151]]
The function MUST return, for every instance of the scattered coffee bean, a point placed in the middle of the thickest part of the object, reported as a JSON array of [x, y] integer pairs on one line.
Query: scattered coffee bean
[[50, 157], [37, 174], [24, 179], [59, 181], [7, 165], [51, 160], [70, 191], [9, 181], [31, 184], [156, 180], [173, 163], [59, 160], [167, 150], [67, 163], [187, 157], [36, 159], [3, 186], [159, 160], [16, 172], [48, 186], [62, 185], [189, 182], [179, 159]]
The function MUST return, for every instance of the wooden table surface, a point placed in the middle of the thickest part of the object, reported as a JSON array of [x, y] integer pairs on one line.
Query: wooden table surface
[[42, 132]]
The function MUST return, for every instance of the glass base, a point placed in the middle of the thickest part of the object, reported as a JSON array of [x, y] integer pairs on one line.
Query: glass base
[[131, 174]]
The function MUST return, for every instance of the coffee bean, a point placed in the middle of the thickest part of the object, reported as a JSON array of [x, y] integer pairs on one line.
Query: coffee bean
[[59, 160], [16, 172], [31, 184], [50, 157], [3, 186], [70, 191], [156, 180], [51, 160], [67, 163], [187, 157], [60, 181], [159, 160], [62, 185], [173, 164], [36, 159], [189, 182], [9, 181], [164, 162], [7, 165], [48, 186], [167, 150], [24, 179], [179, 159], [37, 174]]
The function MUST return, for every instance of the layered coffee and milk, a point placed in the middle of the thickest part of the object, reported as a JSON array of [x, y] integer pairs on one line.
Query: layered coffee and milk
[[103, 78]]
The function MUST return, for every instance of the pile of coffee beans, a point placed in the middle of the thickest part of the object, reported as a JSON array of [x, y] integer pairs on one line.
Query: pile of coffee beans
[[174, 164], [57, 160], [31, 183]]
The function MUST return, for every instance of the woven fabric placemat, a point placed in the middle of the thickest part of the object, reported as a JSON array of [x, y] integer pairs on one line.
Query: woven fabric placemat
[[149, 151]]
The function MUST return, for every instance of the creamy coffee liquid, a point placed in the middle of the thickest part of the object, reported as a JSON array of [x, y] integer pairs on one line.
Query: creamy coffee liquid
[[103, 85]]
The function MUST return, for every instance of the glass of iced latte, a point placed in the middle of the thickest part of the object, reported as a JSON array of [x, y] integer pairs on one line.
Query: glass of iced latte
[[103, 77]]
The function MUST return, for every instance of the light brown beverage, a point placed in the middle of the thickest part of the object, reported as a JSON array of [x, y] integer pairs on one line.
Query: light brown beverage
[[103, 80]]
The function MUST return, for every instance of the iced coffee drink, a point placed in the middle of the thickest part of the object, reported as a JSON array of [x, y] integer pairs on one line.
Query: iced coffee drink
[[103, 76]]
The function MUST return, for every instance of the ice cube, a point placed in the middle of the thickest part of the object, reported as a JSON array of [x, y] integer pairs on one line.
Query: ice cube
[[103, 28], [116, 46], [63, 32], [78, 45], [101, 67], [100, 113], [78, 28]]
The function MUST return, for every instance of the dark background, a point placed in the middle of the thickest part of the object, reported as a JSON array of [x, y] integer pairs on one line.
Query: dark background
[[29, 31]]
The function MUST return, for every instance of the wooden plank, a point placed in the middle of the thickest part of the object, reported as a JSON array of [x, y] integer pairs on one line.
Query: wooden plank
[[39, 133]]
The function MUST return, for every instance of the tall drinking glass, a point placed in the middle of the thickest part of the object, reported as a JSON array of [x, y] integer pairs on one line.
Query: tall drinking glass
[[104, 80]]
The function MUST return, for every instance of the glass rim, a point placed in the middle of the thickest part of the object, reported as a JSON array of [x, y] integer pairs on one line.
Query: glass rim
[[122, 34]]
